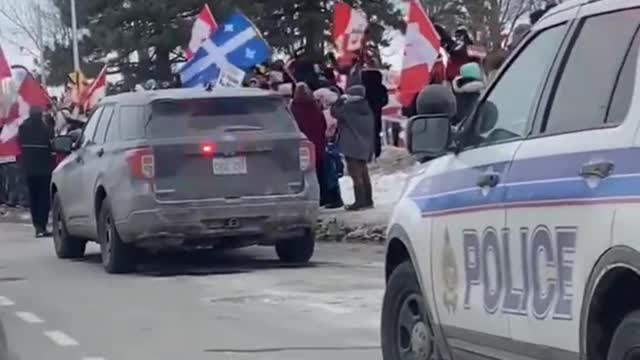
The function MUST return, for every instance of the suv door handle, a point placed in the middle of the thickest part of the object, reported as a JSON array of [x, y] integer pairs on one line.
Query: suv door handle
[[100, 152], [490, 179], [601, 169]]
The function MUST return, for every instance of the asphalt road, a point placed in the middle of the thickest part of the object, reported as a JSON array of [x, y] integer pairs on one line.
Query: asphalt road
[[240, 304]]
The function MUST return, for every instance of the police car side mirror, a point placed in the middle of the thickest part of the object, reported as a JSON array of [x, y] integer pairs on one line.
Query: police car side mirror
[[429, 135], [62, 144]]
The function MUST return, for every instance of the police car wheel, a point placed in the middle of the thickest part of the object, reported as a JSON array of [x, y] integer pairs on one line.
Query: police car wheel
[[117, 257], [297, 250], [405, 331], [625, 344], [66, 246]]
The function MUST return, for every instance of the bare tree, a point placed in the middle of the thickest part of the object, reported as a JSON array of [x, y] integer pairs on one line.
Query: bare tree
[[32, 25]]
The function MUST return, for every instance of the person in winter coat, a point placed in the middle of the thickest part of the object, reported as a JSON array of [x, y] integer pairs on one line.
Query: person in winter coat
[[377, 97], [34, 137], [308, 115], [467, 89], [356, 131]]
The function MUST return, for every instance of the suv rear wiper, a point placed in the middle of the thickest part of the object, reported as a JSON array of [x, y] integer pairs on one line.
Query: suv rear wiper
[[242, 128]]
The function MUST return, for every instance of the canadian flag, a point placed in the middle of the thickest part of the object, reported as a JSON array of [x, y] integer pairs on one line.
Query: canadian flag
[[349, 27], [5, 70], [95, 92], [422, 44], [7, 88], [203, 27], [29, 93]]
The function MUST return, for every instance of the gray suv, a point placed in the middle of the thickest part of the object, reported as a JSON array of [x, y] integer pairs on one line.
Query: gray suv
[[187, 168]]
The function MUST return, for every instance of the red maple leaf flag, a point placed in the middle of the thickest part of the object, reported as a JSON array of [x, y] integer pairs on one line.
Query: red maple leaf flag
[[349, 27], [203, 27], [421, 48], [30, 93], [5, 70], [96, 91]]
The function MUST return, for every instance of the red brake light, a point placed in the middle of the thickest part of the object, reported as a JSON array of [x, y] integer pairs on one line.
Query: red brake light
[[208, 149], [141, 163], [307, 155]]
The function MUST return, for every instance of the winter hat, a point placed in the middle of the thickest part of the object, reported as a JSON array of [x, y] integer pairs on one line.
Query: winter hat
[[519, 33], [356, 90], [471, 71], [436, 99]]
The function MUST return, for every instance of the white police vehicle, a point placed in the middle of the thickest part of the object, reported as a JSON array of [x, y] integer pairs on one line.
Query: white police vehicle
[[521, 239]]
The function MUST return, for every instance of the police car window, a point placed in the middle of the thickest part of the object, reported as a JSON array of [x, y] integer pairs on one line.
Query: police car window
[[189, 117], [105, 118], [621, 101], [90, 127], [132, 122], [506, 111], [588, 76]]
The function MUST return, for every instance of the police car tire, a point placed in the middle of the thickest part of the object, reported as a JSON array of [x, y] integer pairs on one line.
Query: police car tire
[[626, 338], [297, 250], [403, 281], [117, 257], [66, 246]]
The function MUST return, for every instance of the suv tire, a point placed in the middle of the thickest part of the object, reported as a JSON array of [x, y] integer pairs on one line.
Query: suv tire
[[297, 250], [117, 257], [625, 343], [410, 336], [66, 246]]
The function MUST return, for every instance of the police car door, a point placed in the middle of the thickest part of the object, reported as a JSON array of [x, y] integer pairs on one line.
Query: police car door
[[468, 211], [563, 185]]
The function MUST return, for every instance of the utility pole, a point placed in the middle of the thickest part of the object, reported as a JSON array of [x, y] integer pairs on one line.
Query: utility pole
[[74, 36], [43, 70]]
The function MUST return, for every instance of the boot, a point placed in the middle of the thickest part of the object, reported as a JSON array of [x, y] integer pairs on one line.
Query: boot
[[358, 191], [367, 193]]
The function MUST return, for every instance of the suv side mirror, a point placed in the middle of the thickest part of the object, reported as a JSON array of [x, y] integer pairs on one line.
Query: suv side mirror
[[62, 144], [429, 135]]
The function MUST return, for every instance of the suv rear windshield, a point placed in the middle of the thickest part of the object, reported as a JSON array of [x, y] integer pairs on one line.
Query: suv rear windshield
[[170, 118]]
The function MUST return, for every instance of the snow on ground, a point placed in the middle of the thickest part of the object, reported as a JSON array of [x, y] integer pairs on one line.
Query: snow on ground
[[388, 177]]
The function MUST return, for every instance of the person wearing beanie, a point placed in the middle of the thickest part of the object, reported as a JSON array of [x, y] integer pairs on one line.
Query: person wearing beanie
[[34, 138], [467, 89], [356, 131], [519, 33]]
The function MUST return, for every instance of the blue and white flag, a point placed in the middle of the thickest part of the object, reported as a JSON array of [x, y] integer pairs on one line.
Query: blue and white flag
[[236, 45]]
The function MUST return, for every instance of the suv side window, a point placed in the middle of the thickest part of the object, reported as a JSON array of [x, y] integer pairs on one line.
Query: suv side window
[[113, 132], [621, 101], [506, 111], [589, 73], [132, 122], [101, 131], [90, 128]]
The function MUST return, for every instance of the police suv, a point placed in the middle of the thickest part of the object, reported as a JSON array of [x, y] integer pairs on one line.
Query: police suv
[[520, 238]]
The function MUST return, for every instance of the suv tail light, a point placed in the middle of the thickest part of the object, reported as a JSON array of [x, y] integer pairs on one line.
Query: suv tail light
[[307, 155], [141, 163]]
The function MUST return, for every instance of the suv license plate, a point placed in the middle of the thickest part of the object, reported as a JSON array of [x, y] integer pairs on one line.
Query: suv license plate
[[230, 165]]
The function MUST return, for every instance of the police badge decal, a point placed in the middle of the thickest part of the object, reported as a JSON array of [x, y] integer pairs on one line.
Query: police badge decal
[[449, 275]]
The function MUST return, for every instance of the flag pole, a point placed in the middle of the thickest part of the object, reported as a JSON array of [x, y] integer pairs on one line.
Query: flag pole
[[74, 35]]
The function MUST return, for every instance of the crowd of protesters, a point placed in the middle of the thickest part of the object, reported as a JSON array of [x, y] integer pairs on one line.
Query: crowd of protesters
[[341, 123]]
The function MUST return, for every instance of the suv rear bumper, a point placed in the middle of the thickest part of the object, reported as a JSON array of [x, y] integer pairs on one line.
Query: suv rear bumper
[[232, 225]]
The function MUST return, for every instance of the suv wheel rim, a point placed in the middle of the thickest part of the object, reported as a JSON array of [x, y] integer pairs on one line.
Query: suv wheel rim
[[415, 341]]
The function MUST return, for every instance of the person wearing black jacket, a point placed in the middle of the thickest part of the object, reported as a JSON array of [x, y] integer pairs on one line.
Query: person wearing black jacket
[[377, 97], [34, 137]]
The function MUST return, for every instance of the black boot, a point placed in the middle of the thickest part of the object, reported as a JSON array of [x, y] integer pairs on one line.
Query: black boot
[[358, 192], [367, 196]]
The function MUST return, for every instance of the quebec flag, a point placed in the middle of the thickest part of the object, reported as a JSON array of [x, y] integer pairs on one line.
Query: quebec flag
[[236, 46]]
